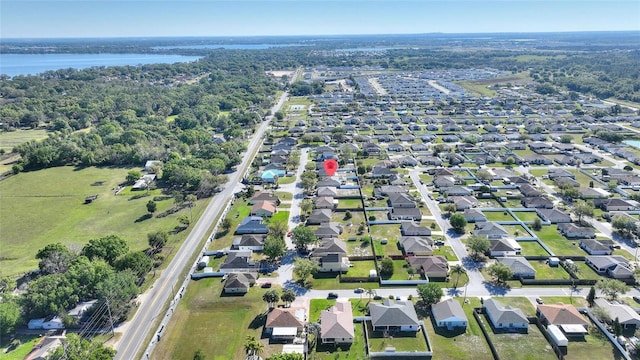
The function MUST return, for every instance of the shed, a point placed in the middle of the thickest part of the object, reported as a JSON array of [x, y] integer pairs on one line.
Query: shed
[[557, 336], [554, 261]]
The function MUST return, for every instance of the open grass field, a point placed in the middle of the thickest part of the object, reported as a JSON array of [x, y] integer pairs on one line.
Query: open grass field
[[47, 206], [204, 320], [9, 139], [450, 345]]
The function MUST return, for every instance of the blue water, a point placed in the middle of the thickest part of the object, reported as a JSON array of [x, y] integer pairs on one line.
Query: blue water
[[226, 46], [25, 64], [634, 143]]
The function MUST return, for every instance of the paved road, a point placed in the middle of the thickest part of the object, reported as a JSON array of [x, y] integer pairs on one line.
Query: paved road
[[152, 303]]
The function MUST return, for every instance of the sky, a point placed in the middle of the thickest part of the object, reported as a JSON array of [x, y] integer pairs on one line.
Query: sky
[[152, 18]]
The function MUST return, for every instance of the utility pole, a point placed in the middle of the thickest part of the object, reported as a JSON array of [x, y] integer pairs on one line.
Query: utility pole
[[113, 333]]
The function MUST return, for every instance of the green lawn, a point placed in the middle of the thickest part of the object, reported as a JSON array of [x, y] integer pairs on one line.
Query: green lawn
[[594, 346], [391, 248], [548, 232], [587, 272], [358, 247], [401, 341], [400, 271], [286, 180], [239, 210], [203, 312], [350, 204], [9, 139], [544, 271], [47, 206], [526, 215], [575, 300], [355, 351], [532, 248], [530, 346], [498, 216], [280, 216], [564, 246], [330, 281], [26, 345], [446, 251], [449, 345], [361, 268], [284, 195], [515, 230]]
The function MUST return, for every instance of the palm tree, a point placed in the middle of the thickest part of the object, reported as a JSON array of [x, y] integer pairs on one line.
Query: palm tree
[[288, 296], [573, 270], [458, 270], [371, 293], [253, 347]]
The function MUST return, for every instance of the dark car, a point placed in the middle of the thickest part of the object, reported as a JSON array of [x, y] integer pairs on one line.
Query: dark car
[[266, 285], [332, 295], [637, 299]]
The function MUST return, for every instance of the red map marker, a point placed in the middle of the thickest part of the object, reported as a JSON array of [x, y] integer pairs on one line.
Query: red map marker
[[330, 166]]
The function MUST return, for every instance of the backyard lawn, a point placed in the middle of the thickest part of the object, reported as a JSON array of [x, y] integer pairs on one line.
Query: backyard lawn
[[586, 272], [548, 232], [390, 248], [349, 204], [389, 232], [594, 346], [516, 230], [446, 251], [565, 247], [532, 248], [530, 346], [526, 215], [498, 216], [544, 271], [577, 301], [355, 351], [331, 281]]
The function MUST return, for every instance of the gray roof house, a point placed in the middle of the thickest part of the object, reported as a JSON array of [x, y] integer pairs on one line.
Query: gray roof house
[[554, 216], [325, 202], [595, 247], [628, 317], [239, 283], [414, 245], [614, 266], [252, 225], [505, 318], [330, 246], [409, 228], [239, 261], [519, 265], [401, 200], [328, 230], [449, 314], [400, 315], [474, 215], [491, 230], [319, 216], [403, 213]]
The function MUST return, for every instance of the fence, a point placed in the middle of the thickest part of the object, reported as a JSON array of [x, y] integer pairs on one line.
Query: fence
[[403, 282], [560, 351], [476, 312], [609, 336]]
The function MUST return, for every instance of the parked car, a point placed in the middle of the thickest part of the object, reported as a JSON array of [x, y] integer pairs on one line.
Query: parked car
[[539, 301], [332, 295], [289, 234], [439, 243], [637, 299], [266, 285], [358, 290]]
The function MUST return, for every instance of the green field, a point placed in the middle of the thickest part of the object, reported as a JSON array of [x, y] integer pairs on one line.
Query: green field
[[47, 206], [530, 346], [544, 271], [9, 139], [20, 352], [532, 248], [204, 320]]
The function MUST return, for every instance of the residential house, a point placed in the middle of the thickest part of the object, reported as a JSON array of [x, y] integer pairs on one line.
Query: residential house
[[409, 228], [330, 246], [415, 245], [263, 209], [325, 202], [252, 225], [627, 317], [504, 247], [555, 173], [328, 230], [239, 283], [272, 175], [283, 324], [449, 314], [565, 316], [253, 242], [387, 190], [239, 261], [553, 216], [505, 318], [519, 266], [405, 214], [536, 203], [614, 266], [334, 262], [491, 230], [326, 191], [264, 196], [431, 266], [319, 216], [528, 190], [617, 204], [336, 323], [573, 231], [596, 247], [401, 200], [474, 215], [391, 317]]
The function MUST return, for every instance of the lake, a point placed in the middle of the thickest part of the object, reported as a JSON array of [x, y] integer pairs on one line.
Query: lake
[[226, 46], [24, 64]]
